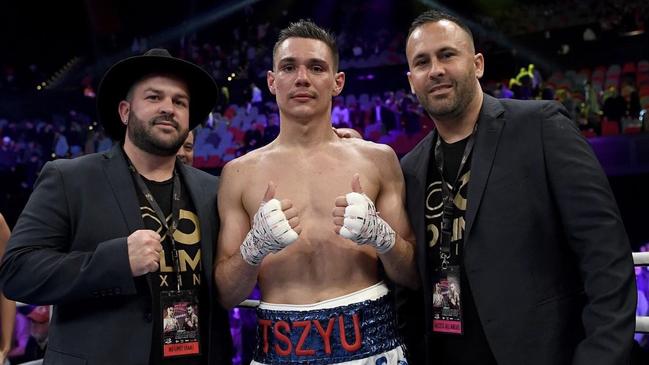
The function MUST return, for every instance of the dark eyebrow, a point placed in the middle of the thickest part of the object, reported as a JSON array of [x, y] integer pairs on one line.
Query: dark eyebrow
[[446, 49], [286, 60], [182, 96], [310, 61], [317, 61], [158, 91], [150, 88]]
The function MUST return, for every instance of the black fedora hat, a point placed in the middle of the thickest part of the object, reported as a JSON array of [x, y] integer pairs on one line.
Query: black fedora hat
[[121, 76]]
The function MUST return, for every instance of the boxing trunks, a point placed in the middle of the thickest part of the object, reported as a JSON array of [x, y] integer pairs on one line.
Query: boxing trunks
[[354, 329]]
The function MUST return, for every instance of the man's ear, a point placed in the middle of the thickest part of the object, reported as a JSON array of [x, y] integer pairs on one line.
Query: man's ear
[[339, 79], [478, 63], [412, 89], [270, 80], [124, 108]]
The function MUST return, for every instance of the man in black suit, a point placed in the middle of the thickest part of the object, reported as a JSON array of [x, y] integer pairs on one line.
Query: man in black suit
[[112, 239], [508, 201]]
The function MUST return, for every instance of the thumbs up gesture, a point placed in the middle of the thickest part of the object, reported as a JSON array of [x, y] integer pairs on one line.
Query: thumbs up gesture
[[355, 218], [275, 226]]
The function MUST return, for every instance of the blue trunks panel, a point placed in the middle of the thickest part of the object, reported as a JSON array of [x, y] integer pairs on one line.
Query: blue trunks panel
[[326, 336]]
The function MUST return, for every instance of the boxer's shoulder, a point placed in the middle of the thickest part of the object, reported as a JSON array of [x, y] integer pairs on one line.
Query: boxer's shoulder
[[369, 149], [250, 159]]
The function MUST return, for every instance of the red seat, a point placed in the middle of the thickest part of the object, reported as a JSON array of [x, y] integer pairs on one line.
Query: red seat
[[629, 68], [237, 134], [632, 130], [199, 161], [610, 128], [215, 161], [644, 91], [588, 133]]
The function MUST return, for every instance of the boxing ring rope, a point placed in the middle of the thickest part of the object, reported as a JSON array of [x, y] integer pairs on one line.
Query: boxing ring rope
[[641, 322], [641, 258], [249, 304]]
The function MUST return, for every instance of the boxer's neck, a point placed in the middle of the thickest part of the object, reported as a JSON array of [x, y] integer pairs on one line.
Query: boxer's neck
[[305, 133]]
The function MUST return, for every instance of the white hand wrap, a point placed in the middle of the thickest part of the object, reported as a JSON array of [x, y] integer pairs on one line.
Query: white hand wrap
[[270, 232], [364, 226]]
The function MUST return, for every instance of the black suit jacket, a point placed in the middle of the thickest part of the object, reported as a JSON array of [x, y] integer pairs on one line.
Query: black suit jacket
[[69, 249], [545, 250]]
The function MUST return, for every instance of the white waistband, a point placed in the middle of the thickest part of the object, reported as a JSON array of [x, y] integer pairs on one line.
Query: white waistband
[[373, 292]]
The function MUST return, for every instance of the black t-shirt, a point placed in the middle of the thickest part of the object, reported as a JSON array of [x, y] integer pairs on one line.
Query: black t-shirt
[[188, 243], [471, 347]]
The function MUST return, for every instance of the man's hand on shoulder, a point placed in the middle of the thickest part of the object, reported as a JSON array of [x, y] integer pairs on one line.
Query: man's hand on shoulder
[[347, 133]]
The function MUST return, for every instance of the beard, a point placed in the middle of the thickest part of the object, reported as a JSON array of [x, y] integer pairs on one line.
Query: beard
[[453, 105], [142, 134]]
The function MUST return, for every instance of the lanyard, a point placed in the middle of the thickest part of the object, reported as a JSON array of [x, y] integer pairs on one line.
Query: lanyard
[[175, 213], [447, 195]]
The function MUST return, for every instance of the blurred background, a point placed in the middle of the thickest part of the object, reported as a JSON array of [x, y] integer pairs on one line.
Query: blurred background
[[590, 55]]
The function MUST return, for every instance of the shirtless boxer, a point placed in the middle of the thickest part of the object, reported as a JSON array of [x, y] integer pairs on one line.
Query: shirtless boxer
[[323, 300]]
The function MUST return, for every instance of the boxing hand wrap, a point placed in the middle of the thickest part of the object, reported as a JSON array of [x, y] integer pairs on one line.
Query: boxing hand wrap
[[270, 233], [363, 225]]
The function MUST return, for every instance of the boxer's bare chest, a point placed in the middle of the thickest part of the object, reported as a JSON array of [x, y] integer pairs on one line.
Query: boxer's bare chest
[[312, 181]]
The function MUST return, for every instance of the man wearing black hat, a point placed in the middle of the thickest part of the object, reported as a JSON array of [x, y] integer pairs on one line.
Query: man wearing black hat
[[111, 239]]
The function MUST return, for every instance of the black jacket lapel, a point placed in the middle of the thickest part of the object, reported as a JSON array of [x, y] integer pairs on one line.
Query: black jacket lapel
[[490, 125], [120, 180]]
